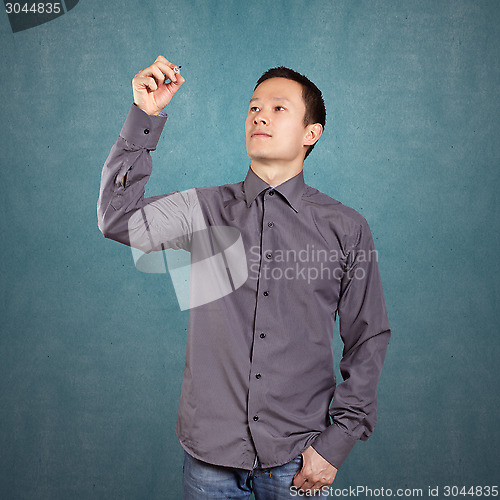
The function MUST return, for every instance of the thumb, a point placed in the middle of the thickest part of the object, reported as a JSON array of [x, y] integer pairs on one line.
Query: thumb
[[172, 87]]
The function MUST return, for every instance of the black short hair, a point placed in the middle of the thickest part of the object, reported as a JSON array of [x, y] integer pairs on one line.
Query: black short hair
[[313, 99]]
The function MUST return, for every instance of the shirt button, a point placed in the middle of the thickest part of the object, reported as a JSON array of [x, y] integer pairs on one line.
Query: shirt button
[[258, 375], [269, 255], [270, 224], [266, 293], [256, 417], [271, 193], [262, 335], [146, 131]]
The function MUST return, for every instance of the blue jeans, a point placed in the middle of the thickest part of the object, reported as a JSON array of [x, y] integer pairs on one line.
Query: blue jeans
[[205, 481]]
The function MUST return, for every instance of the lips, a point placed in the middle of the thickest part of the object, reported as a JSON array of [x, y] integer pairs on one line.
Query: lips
[[259, 133]]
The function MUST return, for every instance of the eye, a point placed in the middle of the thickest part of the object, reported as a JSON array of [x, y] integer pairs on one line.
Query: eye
[[254, 108], [280, 108]]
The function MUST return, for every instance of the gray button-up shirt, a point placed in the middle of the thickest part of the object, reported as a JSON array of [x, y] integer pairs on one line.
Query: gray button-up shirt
[[259, 377]]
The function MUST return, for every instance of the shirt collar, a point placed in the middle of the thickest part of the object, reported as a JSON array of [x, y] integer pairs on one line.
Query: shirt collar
[[291, 190]]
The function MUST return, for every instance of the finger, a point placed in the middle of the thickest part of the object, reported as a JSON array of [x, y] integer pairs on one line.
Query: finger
[[302, 475], [152, 71], [299, 480], [304, 480], [159, 75], [145, 82], [166, 71], [163, 60], [175, 82], [306, 486], [317, 487], [172, 72], [166, 66], [312, 487], [180, 80], [161, 64]]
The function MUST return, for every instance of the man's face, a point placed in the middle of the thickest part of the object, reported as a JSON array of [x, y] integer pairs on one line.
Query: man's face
[[274, 127]]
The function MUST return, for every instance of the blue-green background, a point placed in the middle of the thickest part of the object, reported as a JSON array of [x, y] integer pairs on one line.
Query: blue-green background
[[92, 350]]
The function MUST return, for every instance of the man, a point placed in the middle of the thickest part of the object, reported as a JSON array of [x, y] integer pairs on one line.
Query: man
[[260, 410]]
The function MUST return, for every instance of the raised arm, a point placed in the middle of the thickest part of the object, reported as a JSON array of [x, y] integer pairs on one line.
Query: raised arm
[[123, 213]]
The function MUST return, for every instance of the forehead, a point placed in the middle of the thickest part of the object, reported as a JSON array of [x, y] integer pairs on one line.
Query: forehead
[[279, 88]]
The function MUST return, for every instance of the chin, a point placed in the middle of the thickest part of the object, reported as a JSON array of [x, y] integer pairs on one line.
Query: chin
[[261, 158], [257, 155]]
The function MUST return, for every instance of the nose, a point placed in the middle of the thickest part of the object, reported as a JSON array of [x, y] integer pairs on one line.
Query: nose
[[260, 118]]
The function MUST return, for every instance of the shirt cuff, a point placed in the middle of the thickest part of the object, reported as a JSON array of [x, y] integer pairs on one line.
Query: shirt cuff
[[333, 444], [142, 129]]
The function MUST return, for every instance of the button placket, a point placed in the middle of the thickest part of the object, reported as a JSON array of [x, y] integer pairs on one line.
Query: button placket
[[255, 395], [270, 224]]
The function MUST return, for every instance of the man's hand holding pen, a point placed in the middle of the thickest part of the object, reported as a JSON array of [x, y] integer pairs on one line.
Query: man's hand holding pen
[[154, 86]]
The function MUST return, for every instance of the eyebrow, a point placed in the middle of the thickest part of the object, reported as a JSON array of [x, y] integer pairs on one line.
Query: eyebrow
[[273, 99]]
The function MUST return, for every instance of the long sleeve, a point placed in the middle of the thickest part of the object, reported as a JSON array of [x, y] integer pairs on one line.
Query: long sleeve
[[123, 213], [364, 328]]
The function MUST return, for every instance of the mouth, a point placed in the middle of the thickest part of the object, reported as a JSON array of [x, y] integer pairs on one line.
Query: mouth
[[260, 134]]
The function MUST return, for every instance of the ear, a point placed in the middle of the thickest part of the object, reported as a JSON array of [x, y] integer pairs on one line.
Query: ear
[[313, 133]]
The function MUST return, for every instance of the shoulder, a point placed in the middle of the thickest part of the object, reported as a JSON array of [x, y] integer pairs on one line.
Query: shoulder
[[316, 200], [223, 188], [225, 193], [332, 217]]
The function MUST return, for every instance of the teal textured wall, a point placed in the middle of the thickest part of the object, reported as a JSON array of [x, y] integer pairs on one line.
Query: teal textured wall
[[92, 350]]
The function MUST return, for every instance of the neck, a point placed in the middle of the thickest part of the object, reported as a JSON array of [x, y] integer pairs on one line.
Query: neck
[[275, 174]]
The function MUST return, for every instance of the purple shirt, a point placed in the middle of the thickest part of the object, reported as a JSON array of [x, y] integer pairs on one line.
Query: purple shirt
[[259, 375]]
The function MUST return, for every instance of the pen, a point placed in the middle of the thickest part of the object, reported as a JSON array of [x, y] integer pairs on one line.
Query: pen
[[176, 70]]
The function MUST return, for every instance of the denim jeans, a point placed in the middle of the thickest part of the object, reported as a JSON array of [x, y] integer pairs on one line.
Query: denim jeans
[[206, 481]]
